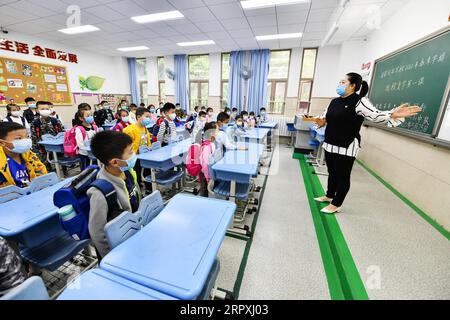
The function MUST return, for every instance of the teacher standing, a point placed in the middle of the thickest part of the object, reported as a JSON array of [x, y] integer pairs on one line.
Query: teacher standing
[[344, 118]]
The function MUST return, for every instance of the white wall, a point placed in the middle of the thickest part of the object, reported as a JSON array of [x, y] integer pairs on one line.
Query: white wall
[[215, 75], [152, 76], [294, 73], [326, 75], [113, 69]]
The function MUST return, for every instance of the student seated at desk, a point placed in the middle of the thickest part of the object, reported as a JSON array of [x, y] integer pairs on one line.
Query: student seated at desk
[[196, 125], [234, 114], [251, 119], [123, 120], [222, 141], [179, 112], [85, 130], [236, 131], [244, 115], [193, 115], [81, 106], [165, 129], [11, 271], [115, 151], [18, 165], [44, 125], [209, 115], [262, 115], [153, 115], [103, 114], [14, 115]]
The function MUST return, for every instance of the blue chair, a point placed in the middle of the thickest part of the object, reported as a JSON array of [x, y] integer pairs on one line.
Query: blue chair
[[291, 129], [9, 193], [31, 289], [48, 245], [128, 224], [63, 160]]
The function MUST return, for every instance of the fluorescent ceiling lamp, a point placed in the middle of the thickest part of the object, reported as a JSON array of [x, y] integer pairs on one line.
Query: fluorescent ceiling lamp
[[330, 33], [196, 43], [139, 48], [255, 4], [279, 36], [161, 16], [80, 29]]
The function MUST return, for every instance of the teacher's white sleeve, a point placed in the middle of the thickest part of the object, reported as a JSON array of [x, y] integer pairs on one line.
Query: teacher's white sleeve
[[366, 109]]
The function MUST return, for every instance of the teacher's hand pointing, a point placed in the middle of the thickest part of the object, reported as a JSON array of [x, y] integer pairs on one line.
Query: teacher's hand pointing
[[405, 111]]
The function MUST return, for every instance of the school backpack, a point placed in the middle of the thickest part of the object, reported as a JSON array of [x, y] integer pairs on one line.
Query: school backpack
[[37, 125], [193, 163], [75, 194], [156, 127], [70, 142]]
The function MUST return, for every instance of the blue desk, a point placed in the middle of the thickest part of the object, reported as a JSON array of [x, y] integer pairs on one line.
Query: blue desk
[[268, 125], [175, 252], [255, 135], [54, 146], [239, 166], [16, 216], [164, 158], [98, 284]]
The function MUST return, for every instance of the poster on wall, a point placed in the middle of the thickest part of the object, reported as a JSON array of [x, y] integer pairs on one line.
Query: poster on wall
[[21, 79]]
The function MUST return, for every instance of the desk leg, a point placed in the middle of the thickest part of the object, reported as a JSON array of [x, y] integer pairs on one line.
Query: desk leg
[[57, 165], [233, 191], [154, 184], [237, 228]]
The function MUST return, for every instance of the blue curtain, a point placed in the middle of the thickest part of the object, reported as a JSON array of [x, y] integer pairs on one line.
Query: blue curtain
[[257, 91], [182, 81], [235, 84], [133, 80]]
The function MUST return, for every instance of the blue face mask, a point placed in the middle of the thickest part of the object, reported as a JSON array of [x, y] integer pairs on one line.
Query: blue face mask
[[126, 119], [152, 110], [130, 163], [146, 122], [341, 89], [21, 146], [32, 106], [89, 119]]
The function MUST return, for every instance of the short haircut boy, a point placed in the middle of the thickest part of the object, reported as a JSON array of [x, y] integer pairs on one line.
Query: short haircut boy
[[168, 106], [7, 127], [141, 111], [29, 99], [42, 103], [109, 145], [222, 117], [202, 114]]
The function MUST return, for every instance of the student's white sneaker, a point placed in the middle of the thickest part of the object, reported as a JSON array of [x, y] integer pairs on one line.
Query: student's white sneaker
[[323, 199], [325, 210]]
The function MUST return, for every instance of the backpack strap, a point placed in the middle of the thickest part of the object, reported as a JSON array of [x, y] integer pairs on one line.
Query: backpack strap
[[168, 130], [23, 121], [83, 131], [110, 194], [9, 119]]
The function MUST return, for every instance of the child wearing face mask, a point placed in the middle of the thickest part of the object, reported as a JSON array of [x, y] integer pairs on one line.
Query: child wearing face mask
[[236, 131], [210, 133], [18, 165], [14, 115], [262, 115], [153, 115], [251, 119], [123, 121], [31, 112], [44, 124], [209, 115], [196, 125], [245, 118], [165, 130], [85, 130], [115, 151]]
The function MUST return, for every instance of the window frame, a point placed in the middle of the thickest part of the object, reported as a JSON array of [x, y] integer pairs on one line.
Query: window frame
[[222, 81], [311, 80], [274, 82], [161, 81]]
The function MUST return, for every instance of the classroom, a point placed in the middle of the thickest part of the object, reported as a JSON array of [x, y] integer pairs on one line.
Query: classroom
[[226, 150]]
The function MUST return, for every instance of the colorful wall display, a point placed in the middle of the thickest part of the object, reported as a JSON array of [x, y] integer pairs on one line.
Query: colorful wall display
[[20, 79]]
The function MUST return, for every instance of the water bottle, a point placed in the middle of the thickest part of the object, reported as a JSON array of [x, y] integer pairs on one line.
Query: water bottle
[[67, 213]]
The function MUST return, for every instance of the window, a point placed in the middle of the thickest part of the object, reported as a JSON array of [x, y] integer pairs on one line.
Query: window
[[141, 68], [307, 78], [277, 83], [161, 79], [199, 80], [225, 79]]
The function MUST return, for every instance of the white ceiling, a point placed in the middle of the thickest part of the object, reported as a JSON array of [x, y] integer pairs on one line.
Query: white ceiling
[[223, 21]]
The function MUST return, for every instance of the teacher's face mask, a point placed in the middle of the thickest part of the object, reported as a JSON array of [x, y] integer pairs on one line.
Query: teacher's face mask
[[341, 89]]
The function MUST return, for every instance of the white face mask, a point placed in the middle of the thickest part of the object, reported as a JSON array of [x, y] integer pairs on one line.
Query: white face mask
[[172, 116], [45, 113], [16, 114]]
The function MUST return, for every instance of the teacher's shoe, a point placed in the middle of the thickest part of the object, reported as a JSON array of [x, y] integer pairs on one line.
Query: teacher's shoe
[[331, 211], [323, 199]]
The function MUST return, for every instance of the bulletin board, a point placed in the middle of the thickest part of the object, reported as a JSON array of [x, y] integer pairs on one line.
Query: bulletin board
[[20, 79]]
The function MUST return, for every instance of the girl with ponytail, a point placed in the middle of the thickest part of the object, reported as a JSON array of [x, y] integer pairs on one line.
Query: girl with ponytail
[[344, 118]]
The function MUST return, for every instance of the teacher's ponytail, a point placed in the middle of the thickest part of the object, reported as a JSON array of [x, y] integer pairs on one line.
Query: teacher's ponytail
[[360, 84]]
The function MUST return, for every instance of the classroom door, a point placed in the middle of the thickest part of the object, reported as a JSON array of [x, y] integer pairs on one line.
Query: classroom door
[[199, 93], [276, 96]]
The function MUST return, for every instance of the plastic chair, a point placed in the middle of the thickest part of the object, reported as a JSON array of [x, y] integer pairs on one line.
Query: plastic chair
[[31, 289], [291, 129], [49, 246], [127, 224], [9, 193], [43, 182]]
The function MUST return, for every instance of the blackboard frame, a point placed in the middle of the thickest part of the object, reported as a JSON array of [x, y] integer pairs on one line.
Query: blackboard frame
[[441, 113]]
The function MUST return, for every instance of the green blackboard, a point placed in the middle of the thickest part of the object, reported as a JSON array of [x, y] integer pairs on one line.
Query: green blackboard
[[417, 75]]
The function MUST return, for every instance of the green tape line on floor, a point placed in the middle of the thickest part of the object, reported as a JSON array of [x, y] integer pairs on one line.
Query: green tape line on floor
[[421, 213], [343, 278]]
